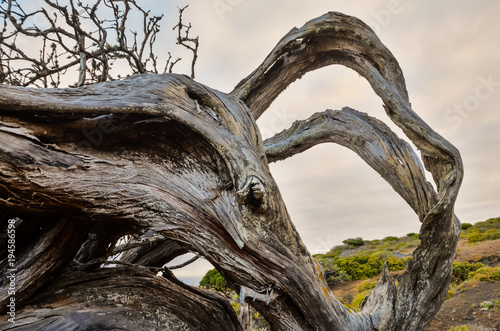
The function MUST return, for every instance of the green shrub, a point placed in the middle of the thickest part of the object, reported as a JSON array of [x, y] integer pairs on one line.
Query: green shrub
[[481, 231], [465, 271], [412, 235], [390, 238], [465, 226], [354, 241], [461, 271], [461, 328], [395, 264], [451, 292], [335, 252], [492, 234], [214, 280], [366, 286], [477, 236], [455, 288], [357, 301], [363, 290], [486, 274], [474, 237], [492, 223], [333, 273], [237, 307], [357, 267], [402, 246], [363, 266]]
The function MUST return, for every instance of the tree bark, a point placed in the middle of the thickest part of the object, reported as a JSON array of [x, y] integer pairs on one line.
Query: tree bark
[[124, 299], [165, 153]]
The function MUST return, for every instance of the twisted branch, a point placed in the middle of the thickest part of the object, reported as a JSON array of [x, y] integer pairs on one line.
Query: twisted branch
[[188, 162]]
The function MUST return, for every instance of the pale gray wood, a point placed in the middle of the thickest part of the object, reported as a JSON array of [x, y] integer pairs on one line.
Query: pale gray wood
[[124, 299]]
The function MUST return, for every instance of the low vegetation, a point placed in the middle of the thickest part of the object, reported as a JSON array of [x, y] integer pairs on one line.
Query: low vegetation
[[214, 280], [354, 242], [481, 231], [359, 259], [465, 273], [363, 290], [469, 327], [463, 270]]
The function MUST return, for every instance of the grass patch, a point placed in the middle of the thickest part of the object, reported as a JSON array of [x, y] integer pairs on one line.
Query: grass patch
[[363, 290]]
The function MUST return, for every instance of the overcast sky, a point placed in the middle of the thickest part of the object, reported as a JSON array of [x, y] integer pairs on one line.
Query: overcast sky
[[450, 54]]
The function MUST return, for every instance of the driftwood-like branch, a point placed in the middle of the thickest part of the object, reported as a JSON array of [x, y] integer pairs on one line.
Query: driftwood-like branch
[[338, 39], [333, 38], [165, 153], [124, 299], [154, 253], [182, 265], [392, 157]]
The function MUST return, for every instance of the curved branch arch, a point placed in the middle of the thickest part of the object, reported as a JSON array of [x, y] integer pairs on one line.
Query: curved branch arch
[[165, 153], [333, 38]]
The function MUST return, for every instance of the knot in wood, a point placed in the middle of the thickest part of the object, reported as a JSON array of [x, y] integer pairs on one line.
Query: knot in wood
[[253, 194]]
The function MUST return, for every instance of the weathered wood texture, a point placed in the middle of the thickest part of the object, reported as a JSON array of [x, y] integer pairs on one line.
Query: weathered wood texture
[[124, 299], [165, 153]]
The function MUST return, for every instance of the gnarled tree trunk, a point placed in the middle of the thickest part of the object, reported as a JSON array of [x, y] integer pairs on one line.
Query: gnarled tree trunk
[[82, 167]]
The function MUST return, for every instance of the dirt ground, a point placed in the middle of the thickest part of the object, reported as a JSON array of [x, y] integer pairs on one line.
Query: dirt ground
[[464, 308], [486, 252]]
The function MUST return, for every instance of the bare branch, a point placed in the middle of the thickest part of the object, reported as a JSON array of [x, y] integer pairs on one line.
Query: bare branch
[[73, 36], [392, 157], [136, 243], [182, 265], [333, 38], [185, 40]]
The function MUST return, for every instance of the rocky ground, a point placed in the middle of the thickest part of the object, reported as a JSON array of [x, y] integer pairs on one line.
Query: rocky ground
[[465, 308]]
